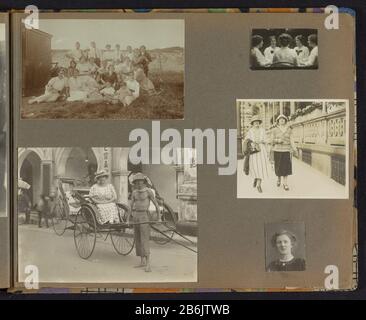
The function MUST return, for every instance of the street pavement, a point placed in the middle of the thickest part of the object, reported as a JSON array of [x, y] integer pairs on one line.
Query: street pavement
[[306, 182], [58, 261]]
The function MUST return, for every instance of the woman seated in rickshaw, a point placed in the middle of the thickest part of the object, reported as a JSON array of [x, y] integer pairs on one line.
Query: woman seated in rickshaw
[[104, 195]]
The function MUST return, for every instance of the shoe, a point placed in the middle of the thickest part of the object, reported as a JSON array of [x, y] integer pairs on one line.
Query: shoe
[[286, 187], [259, 189], [278, 183], [255, 183]]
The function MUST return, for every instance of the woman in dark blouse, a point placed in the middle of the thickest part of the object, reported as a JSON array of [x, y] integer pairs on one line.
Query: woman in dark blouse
[[285, 241], [110, 77]]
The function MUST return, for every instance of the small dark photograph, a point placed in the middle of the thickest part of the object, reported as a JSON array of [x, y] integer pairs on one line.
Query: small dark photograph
[[285, 246], [284, 49]]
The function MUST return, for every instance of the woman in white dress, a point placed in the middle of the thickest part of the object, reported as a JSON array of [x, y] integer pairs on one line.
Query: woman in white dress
[[53, 90], [285, 56], [104, 195], [302, 52], [259, 167], [76, 92], [257, 58]]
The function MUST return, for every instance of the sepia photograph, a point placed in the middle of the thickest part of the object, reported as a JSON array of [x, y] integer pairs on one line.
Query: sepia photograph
[[104, 218], [103, 69], [292, 149], [3, 124], [285, 246], [284, 49]]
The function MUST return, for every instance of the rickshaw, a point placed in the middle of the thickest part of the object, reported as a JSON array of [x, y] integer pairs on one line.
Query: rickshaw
[[64, 214], [82, 219], [87, 229]]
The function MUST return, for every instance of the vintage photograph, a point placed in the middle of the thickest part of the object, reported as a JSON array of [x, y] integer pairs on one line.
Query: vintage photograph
[[284, 49], [104, 218], [3, 124], [103, 69], [292, 149], [285, 246]]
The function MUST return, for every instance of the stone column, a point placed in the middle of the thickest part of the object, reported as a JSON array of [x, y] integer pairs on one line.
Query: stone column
[[187, 192], [292, 107], [119, 173], [324, 107], [239, 130], [46, 177]]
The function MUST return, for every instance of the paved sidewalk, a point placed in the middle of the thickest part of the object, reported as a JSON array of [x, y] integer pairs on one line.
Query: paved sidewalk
[[58, 261], [306, 182]]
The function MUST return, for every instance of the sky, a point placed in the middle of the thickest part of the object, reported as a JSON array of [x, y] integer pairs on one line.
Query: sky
[[2, 31], [152, 33]]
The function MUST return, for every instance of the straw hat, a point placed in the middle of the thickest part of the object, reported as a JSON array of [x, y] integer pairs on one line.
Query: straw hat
[[139, 176], [255, 118], [281, 116], [100, 174]]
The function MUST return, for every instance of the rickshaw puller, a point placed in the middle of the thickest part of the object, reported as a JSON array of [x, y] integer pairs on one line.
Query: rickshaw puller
[[140, 203]]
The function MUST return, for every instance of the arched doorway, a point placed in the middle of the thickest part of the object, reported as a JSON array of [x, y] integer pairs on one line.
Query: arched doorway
[[30, 172], [81, 164]]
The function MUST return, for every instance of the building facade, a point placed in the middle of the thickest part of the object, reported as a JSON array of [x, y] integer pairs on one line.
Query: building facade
[[42, 167]]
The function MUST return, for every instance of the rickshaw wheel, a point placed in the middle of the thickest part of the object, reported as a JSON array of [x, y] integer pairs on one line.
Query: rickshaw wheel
[[59, 220], [123, 241], [167, 216], [85, 232]]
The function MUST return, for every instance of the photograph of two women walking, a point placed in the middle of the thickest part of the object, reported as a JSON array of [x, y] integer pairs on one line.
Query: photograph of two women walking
[[292, 149]]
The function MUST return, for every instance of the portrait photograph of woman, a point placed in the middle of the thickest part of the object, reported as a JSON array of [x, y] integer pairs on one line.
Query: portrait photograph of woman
[[285, 247], [292, 149]]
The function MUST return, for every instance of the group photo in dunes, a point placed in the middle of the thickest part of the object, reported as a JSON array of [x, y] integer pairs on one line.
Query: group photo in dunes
[[103, 69]]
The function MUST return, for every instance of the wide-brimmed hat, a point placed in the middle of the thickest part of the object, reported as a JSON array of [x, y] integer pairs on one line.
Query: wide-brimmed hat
[[255, 118], [281, 116], [100, 174], [139, 176]]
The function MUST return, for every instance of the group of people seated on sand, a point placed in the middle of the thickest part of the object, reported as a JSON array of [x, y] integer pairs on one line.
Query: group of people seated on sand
[[95, 76], [285, 51]]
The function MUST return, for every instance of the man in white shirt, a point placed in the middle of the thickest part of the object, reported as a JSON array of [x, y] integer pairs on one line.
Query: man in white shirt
[[108, 54], [117, 53], [312, 60], [95, 53], [76, 53], [270, 51], [129, 52]]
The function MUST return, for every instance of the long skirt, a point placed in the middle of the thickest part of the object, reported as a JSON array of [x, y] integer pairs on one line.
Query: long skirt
[[259, 166], [141, 233], [47, 97], [76, 95], [282, 163], [108, 212]]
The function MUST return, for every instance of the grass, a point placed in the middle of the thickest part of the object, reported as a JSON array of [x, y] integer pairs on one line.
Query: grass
[[169, 104]]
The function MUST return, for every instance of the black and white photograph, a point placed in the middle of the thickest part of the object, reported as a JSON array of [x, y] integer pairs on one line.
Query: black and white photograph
[[285, 247], [284, 49], [103, 69], [105, 219], [3, 125], [292, 149]]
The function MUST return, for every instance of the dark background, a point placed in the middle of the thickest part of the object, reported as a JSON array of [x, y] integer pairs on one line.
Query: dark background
[[360, 8]]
